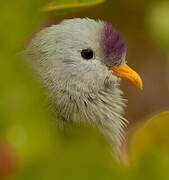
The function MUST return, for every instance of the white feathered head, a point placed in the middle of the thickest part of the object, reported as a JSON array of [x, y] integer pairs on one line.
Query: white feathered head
[[79, 62]]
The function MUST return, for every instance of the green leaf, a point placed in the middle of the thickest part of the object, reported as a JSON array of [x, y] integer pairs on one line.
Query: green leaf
[[153, 135], [18, 19], [65, 6]]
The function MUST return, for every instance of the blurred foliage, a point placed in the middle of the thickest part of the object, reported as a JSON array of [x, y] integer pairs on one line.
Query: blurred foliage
[[158, 22], [18, 19], [155, 134], [149, 148], [58, 7], [32, 148]]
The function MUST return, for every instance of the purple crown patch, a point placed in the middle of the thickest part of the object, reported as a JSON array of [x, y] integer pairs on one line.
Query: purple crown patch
[[114, 48]]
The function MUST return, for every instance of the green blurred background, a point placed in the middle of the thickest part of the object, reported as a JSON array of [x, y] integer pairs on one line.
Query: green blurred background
[[31, 147]]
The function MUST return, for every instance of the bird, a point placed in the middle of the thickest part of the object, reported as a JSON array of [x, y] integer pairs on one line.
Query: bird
[[80, 62]]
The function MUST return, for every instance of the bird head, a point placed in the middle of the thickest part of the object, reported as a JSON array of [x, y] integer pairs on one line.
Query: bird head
[[80, 62]]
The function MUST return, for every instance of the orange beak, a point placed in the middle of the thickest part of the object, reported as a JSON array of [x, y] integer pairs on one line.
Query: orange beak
[[128, 74]]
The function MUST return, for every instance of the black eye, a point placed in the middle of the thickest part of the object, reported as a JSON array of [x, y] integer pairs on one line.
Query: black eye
[[87, 53]]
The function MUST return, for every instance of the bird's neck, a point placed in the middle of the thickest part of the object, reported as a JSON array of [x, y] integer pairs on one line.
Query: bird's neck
[[102, 108]]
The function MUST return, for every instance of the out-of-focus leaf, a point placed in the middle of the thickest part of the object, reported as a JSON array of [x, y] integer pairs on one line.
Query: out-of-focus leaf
[[24, 123], [81, 154], [149, 149], [21, 110], [66, 6], [18, 19], [151, 136], [158, 23]]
